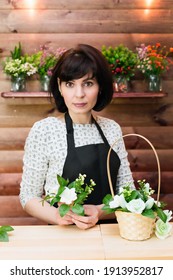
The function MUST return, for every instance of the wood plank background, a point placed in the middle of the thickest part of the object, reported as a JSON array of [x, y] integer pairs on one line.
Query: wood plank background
[[65, 23]]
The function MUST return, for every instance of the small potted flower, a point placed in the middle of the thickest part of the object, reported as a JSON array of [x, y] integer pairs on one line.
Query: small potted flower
[[153, 61], [138, 214], [70, 195], [122, 62], [19, 67], [45, 60]]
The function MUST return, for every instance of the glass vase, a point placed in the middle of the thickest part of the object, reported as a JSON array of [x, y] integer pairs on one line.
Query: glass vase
[[44, 81], [120, 84], [18, 83], [154, 83]]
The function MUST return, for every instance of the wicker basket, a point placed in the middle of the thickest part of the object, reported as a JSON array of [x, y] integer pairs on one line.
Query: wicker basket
[[134, 226]]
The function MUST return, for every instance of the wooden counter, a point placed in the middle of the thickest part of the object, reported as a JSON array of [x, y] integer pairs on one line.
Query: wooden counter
[[70, 243]]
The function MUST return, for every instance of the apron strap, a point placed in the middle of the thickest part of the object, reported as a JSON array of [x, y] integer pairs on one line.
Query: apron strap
[[70, 130]]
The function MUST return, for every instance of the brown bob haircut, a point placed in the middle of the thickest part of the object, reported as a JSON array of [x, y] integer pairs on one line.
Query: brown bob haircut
[[76, 63]]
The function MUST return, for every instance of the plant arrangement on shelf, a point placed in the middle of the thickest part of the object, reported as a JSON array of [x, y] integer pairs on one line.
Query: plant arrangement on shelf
[[4, 233], [141, 203], [122, 62], [45, 60], [19, 65], [153, 61], [70, 195]]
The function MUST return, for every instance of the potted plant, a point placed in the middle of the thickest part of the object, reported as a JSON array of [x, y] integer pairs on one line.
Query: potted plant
[[19, 67], [138, 214], [153, 61], [45, 60], [122, 62]]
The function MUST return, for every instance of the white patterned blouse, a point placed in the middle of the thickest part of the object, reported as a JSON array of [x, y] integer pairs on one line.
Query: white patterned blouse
[[46, 151]]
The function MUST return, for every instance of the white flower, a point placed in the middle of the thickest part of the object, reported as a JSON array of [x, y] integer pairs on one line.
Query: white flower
[[122, 201], [163, 230], [68, 196], [136, 206], [149, 203], [114, 203], [168, 214], [147, 188]]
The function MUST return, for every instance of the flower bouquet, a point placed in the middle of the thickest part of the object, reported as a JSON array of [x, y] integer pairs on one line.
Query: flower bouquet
[[153, 61], [19, 67], [45, 60], [71, 196], [136, 209], [138, 214], [122, 62]]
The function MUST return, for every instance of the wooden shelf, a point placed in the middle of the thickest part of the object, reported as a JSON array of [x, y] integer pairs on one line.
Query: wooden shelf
[[139, 94], [26, 94], [116, 95]]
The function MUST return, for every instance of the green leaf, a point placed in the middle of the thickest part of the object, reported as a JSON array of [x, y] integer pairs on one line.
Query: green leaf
[[108, 198], [81, 198], [63, 209], [60, 190], [6, 228], [108, 209], [72, 185], [78, 209], [4, 236], [54, 200], [149, 213], [62, 181], [161, 215]]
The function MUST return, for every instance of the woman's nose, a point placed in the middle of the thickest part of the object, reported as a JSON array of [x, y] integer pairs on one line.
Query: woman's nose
[[79, 92]]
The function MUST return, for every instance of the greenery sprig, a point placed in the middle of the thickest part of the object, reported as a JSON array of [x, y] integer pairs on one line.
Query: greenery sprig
[[4, 233], [71, 196]]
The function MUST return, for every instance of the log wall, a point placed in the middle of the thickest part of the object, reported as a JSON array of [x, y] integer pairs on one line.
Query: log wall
[[65, 23]]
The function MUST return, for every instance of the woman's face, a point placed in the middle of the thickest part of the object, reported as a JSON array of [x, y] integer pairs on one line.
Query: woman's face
[[80, 95]]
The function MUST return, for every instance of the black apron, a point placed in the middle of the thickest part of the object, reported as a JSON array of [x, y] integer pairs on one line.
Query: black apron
[[90, 160]]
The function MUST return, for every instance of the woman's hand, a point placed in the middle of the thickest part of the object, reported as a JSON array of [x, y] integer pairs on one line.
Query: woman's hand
[[89, 220], [65, 220]]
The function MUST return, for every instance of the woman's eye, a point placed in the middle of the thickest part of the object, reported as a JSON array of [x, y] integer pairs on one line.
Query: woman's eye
[[69, 84], [88, 84]]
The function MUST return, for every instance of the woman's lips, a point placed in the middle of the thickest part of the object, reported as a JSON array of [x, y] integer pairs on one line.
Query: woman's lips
[[80, 104]]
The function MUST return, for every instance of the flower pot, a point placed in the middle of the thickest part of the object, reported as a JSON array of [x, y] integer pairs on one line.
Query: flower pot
[[154, 83], [18, 83], [44, 81], [134, 226]]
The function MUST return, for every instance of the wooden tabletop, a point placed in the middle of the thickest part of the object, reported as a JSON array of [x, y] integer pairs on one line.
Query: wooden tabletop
[[70, 243]]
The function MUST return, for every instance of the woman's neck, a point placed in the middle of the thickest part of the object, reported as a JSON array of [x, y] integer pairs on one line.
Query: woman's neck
[[81, 118]]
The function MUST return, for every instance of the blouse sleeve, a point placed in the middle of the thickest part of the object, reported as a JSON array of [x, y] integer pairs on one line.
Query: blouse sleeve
[[35, 164]]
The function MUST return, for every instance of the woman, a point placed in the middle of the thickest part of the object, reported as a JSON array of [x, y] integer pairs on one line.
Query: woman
[[76, 142]]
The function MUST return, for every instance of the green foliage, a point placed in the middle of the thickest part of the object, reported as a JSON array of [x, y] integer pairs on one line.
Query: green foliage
[[121, 59], [4, 233], [135, 201], [80, 192]]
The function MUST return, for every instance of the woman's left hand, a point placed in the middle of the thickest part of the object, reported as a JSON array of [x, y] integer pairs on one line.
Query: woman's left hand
[[89, 220]]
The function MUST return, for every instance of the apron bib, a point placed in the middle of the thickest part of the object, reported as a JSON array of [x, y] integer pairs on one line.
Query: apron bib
[[90, 160]]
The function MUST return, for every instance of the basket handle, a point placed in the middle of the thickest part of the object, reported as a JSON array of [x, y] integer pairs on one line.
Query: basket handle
[[157, 159]]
